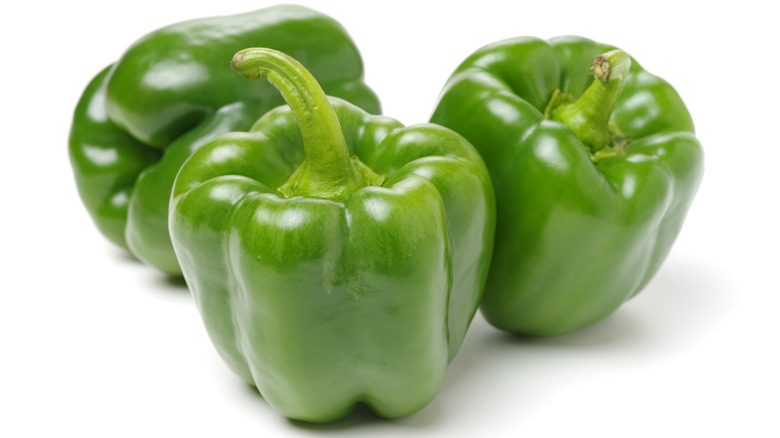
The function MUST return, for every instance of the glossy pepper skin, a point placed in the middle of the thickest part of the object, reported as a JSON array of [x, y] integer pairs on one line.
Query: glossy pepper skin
[[326, 280], [582, 225], [172, 90]]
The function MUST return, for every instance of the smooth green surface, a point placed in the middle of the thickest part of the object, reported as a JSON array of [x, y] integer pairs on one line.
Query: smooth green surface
[[334, 298], [173, 89], [574, 238]]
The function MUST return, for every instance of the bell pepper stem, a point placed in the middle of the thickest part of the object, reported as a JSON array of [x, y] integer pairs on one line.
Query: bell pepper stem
[[327, 170], [589, 116]]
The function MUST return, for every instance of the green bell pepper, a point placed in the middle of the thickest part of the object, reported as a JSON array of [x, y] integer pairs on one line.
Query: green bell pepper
[[593, 181], [326, 280], [139, 119]]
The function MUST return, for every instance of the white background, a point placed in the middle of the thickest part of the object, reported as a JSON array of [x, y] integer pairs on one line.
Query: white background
[[94, 344]]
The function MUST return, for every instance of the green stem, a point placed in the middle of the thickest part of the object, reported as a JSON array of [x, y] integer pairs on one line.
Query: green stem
[[589, 115], [327, 170]]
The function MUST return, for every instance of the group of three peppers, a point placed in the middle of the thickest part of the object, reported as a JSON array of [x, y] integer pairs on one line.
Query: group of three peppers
[[337, 257]]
